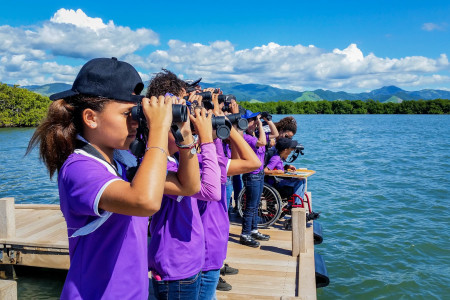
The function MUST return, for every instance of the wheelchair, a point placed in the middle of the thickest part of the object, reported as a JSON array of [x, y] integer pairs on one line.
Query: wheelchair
[[274, 204]]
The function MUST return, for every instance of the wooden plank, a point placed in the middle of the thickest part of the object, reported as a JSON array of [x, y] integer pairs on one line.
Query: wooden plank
[[47, 220], [234, 296], [8, 289], [299, 173], [259, 268], [7, 218], [30, 218], [307, 276], [38, 206]]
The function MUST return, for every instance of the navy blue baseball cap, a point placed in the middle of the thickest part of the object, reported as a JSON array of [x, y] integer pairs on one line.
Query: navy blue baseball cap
[[249, 114], [285, 143], [105, 77]]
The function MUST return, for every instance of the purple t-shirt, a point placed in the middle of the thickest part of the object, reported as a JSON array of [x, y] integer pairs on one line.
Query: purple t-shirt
[[215, 219], [275, 163], [260, 151], [176, 249], [109, 262]]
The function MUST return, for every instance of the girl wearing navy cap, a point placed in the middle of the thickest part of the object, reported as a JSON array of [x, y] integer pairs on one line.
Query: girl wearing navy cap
[[106, 215]]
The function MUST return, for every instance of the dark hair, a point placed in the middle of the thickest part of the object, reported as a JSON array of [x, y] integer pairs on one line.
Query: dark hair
[[56, 134], [165, 82], [287, 124]]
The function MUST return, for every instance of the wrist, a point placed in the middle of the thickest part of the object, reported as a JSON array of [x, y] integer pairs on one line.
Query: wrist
[[206, 140], [188, 144], [188, 139]]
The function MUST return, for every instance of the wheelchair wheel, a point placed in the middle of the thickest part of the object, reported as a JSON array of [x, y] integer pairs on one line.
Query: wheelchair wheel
[[269, 209]]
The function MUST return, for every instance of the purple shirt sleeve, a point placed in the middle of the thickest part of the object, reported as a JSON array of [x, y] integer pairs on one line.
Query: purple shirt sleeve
[[84, 191], [223, 160], [275, 163], [210, 181]]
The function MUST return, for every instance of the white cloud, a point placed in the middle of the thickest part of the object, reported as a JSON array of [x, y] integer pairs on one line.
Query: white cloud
[[25, 52], [434, 26], [295, 67], [27, 56], [78, 18]]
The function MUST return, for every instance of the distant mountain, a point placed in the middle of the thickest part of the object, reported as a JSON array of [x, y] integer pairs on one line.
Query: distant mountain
[[261, 92], [48, 89], [266, 93]]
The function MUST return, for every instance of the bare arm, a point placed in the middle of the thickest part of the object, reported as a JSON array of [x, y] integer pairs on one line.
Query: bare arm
[[186, 181], [262, 141], [142, 197], [273, 129]]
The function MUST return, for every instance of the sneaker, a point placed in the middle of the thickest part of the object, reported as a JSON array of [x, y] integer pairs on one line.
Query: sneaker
[[260, 236], [248, 241], [222, 285], [227, 270]]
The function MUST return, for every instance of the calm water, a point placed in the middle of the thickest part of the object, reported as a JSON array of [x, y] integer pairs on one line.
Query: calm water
[[382, 185]]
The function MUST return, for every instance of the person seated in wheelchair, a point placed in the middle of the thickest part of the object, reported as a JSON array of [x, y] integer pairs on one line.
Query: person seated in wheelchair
[[285, 186]]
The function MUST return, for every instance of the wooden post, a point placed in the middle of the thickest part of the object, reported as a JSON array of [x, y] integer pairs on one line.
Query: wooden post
[[8, 290], [295, 212], [7, 218], [302, 230], [298, 231]]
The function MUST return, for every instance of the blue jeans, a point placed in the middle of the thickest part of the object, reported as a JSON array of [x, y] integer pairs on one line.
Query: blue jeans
[[187, 288], [229, 186], [293, 186], [254, 184], [208, 285], [237, 186]]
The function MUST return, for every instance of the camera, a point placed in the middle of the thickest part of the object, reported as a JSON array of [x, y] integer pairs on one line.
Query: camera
[[237, 119], [137, 147]]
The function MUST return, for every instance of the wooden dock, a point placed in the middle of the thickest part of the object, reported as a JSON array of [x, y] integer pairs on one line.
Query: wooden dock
[[282, 268]]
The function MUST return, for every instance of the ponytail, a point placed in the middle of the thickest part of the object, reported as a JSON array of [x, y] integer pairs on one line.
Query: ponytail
[[57, 133]]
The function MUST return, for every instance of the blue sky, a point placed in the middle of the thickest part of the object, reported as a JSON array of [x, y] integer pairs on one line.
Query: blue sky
[[302, 45]]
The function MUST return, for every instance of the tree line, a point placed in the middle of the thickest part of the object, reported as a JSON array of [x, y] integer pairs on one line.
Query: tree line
[[22, 108], [437, 106]]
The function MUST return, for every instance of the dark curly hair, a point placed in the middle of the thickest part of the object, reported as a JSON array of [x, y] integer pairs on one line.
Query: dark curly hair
[[287, 124], [165, 82]]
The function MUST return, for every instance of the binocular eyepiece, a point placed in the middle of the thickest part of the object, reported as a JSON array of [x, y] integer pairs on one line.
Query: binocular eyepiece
[[179, 112]]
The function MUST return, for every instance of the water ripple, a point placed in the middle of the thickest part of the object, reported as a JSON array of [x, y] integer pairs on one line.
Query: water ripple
[[382, 184]]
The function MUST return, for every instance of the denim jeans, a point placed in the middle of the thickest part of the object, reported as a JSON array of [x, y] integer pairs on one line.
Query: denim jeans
[[187, 288], [237, 186], [254, 184], [293, 186], [229, 186], [208, 285]]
